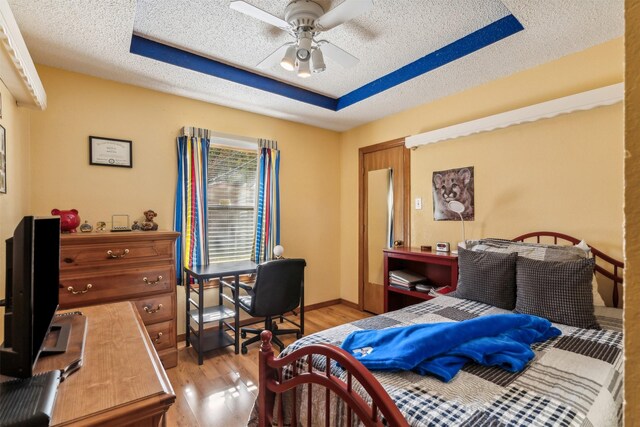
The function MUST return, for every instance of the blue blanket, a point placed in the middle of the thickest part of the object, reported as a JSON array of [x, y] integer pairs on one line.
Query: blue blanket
[[442, 349]]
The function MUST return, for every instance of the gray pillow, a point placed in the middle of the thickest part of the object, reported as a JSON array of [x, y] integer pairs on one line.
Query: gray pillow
[[539, 251], [556, 290], [487, 277]]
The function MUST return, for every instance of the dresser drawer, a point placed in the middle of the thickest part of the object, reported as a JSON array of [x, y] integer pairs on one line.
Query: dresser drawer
[[156, 308], [76, 291], [114, 254], [163, 335]]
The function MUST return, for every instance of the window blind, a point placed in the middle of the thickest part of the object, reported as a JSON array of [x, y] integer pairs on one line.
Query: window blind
[[231, 196]]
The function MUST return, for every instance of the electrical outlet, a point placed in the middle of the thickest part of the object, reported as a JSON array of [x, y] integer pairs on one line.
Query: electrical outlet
[[418, 203]]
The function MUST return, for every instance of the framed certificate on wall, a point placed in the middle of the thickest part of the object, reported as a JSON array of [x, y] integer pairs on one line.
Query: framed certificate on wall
[[110, 152]]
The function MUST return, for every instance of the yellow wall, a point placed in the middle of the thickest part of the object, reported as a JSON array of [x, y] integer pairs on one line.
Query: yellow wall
[[563, 174], [81, 105], [632, 214], [15, 204]]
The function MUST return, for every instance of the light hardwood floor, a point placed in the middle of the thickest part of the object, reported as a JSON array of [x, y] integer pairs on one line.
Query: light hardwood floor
[[221, 392]]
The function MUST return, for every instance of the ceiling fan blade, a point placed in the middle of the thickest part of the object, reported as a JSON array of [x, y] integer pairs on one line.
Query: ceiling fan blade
[[275, 58], [342, 57], [342, 13], [254, 12]]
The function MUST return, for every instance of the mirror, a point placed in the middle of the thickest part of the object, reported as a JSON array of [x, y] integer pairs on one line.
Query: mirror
[[379, 221]]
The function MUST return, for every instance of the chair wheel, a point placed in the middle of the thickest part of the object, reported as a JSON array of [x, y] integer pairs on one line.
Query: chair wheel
[[275, 326], [243, 334], [298, 335], [244, 350]]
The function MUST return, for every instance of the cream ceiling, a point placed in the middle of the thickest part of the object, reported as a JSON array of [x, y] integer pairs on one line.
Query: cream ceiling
[[94, 37]]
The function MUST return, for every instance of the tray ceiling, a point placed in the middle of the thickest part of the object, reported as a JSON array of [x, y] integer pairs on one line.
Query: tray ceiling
[[391, 36]]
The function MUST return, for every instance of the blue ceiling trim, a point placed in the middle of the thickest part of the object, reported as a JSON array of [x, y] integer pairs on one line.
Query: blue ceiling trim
[[171, 55], [470, 43]]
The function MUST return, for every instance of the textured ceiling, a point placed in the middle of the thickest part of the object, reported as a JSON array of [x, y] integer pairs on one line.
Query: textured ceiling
[[94, 37], [241, 40]]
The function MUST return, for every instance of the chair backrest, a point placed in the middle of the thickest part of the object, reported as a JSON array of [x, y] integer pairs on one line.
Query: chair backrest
[[278, 287]]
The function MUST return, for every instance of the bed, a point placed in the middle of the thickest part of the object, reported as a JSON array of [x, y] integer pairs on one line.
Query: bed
[[575, 379]]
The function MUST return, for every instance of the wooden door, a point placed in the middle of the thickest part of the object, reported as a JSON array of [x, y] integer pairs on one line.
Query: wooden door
[[376, 162]]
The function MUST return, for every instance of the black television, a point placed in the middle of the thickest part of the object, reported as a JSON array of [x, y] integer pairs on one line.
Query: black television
[[31, 292]]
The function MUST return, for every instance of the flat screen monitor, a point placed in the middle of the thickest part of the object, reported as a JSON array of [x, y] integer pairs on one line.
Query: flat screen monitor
[[31, 292]]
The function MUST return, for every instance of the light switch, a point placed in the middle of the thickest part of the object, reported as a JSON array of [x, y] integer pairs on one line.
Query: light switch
[[418, 203]]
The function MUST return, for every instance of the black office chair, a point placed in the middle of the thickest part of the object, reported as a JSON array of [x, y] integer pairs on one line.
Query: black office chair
[[278, 290]]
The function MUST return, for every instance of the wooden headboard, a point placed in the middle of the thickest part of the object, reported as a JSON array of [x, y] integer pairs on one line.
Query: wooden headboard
[[609, 267]]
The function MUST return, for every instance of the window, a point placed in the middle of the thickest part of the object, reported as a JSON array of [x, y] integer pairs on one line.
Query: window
[[231, 193]]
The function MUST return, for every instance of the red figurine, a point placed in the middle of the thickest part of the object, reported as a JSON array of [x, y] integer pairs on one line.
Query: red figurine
[[69, 220]]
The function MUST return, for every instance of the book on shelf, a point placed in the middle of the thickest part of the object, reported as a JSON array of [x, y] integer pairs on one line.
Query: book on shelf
[[406, 276], [403, 287], [401, 284], [423, 287]]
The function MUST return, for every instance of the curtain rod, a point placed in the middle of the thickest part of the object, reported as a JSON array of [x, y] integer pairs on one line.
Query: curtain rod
[[220, 137]]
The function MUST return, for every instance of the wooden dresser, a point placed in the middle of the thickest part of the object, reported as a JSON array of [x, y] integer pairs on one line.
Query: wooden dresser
[[98, 268]]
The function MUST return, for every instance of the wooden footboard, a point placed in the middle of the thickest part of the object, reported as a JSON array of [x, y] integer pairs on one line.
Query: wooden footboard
[[272, 384]]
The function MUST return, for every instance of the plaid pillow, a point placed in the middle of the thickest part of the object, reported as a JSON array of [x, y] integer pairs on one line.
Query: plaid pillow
[[487, 277], [556, 290], [539, 251]]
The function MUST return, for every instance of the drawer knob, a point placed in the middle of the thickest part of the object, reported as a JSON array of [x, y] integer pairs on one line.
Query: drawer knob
[[150, 310], [84, 291], [151, 282], [122, 254], [157, 339]]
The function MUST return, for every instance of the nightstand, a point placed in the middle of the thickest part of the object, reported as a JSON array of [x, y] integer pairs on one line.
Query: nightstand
[[440, 268]]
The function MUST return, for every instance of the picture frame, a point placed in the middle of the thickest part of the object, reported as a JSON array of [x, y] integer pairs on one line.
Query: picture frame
[[3, 160], [453, 184], [110, 152]]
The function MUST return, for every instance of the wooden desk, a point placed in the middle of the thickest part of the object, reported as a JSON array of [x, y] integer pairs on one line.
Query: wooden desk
[[121, 381]]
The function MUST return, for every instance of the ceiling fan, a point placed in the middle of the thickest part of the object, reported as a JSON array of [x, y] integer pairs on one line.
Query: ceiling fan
[[305, 20]]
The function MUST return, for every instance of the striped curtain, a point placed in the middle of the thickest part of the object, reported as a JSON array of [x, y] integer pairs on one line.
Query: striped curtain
[[190, 218], [267, 231]]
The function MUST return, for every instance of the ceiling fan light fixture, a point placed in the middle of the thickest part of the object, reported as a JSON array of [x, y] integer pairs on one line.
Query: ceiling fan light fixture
[[288, 61], [317, 61], [304, 70], [304, 48], [305, 20]]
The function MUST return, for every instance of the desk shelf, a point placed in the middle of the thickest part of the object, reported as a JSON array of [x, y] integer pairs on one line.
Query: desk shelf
[[212, 314], [211, 339]]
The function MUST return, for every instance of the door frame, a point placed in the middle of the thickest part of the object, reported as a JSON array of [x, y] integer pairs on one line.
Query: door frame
[[406, 218]]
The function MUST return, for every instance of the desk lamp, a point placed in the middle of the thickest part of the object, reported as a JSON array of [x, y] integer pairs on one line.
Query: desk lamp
[[278, 251], [457, 207]]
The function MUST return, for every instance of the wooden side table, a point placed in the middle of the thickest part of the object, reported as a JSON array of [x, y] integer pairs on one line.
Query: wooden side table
[[440, 268]]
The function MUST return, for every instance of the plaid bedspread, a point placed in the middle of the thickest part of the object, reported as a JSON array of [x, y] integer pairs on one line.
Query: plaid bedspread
[[574, 380]]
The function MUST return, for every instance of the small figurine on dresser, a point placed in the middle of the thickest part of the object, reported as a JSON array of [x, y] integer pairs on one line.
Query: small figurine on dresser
[[149, 224], [136, 226], [69, 220], [86, 227], [101, 226]]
